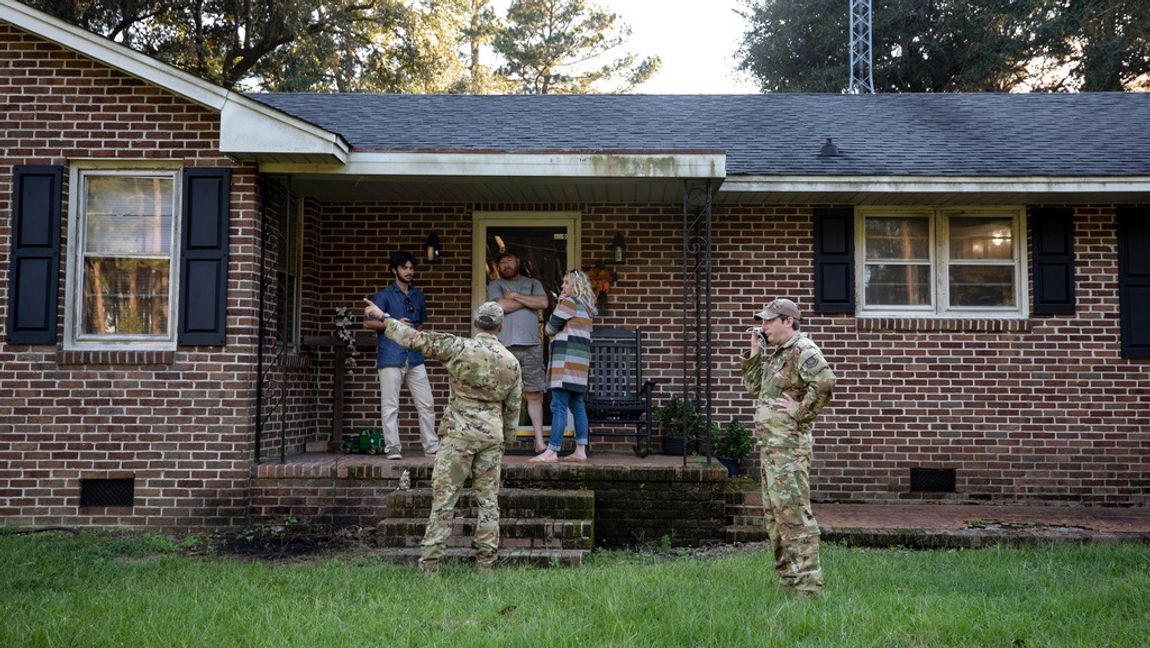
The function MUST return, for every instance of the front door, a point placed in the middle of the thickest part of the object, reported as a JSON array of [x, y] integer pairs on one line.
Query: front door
[[547, 245]]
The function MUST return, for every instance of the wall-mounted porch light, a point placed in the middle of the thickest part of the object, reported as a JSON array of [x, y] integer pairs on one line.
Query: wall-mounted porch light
[[431, 248], [618, 249]]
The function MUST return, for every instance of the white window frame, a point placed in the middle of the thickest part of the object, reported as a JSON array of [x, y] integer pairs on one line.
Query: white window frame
[[74, 294], [940, 263]]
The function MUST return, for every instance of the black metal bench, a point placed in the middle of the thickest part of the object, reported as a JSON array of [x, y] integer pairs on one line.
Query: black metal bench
[[617, 395]]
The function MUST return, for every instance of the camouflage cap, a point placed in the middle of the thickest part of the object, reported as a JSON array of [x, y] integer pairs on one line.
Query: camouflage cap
[[777, 307], [489, 315]]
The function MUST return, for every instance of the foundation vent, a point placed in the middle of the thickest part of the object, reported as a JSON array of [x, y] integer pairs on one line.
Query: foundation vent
[[932, 480], [107, 492]]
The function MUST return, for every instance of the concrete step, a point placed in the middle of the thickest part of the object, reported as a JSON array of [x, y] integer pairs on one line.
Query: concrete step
[[746, 520], [745, 533], [540, 533], [513, 503], [511, 557]]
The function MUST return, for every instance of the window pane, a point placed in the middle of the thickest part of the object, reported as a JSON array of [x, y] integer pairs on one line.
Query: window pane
[[898, 238], [981, 285], [125, 296], [128, 216], [897, 285], [981, 238]]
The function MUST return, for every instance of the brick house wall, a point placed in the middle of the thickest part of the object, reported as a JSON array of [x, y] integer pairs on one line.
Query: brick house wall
[[178, 422], [1040, 410]]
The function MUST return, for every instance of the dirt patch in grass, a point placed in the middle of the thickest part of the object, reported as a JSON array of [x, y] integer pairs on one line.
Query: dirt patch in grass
[[280, 542]]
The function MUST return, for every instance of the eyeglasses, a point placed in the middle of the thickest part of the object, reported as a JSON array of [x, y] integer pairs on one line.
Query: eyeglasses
[[407, 302]]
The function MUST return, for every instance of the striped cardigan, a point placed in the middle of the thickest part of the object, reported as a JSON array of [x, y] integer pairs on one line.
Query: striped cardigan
[[570, 328]]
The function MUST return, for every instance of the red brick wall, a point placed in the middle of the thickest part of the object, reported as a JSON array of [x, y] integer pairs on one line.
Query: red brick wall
[[1043, 410], [178, 422]]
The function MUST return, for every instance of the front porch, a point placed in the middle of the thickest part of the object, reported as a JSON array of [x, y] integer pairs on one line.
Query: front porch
[[633, 501]]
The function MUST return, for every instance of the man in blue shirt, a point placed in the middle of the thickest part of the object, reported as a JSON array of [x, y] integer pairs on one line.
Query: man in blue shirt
[[397, 365]]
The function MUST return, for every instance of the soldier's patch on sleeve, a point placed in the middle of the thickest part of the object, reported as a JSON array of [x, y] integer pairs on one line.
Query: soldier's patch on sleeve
[[811, 363]]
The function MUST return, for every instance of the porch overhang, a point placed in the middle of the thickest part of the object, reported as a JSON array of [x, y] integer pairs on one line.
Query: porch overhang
[[549, 176], [932, 190]]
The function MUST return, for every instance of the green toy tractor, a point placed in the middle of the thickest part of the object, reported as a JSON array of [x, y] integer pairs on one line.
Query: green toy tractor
[[368, 441]]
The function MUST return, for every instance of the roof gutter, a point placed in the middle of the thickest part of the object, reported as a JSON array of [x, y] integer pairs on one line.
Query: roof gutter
[[934, 184]]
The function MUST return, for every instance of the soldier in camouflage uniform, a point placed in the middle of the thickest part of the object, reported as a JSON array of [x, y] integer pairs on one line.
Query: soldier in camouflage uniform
[[482, 410], [790, 386]]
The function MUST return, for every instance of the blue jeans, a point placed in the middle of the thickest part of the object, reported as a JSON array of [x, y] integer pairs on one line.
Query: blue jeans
[[561, 399]]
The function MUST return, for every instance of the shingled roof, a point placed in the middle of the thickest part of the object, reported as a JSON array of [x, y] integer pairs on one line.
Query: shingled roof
[[1083, 135]]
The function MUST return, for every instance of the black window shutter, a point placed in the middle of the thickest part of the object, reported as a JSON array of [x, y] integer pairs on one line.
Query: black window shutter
[[34, 264], [204, 256], [1053, 231], [1134, 281], [834, 260]]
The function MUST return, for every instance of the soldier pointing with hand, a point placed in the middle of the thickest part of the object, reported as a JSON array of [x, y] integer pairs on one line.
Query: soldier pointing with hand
[[482, 410]]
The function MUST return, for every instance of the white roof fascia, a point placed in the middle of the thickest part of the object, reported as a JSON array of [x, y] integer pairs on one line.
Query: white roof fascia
[[255, 117], [661, 164], [934, 184]]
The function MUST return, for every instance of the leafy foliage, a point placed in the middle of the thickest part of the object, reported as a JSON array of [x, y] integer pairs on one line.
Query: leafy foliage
[[945, 45], [422, 46], [557, 46], [734, 441]]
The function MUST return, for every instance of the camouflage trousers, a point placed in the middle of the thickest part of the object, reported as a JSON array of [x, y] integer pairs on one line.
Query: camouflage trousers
[[790, 521], [456, 461]]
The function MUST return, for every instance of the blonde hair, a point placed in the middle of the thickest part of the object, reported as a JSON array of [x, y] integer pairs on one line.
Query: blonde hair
[[581, 289]]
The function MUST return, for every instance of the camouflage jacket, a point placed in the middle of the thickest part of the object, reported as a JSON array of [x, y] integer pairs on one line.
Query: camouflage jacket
[[485, 380], [797, 369]]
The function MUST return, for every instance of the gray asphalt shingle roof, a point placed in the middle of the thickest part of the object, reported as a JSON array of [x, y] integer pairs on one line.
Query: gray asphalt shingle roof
[[1092, 134]]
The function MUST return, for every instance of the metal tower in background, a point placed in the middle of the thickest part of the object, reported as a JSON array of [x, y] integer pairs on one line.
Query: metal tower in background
[[862, 82]]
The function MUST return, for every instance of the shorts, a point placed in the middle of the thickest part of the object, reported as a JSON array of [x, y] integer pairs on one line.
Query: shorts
[[530, 359]]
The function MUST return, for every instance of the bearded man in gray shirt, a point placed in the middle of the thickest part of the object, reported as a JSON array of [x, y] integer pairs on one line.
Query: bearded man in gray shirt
[[522, 298]]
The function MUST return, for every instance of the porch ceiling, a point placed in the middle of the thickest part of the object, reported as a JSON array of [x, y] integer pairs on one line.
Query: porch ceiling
[[349, 188]]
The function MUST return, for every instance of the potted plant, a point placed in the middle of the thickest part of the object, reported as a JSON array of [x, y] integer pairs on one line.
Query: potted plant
[[733, 444], [675, 416]]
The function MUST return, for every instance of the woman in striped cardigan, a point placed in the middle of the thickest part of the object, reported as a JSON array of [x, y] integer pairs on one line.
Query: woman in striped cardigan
[[569, 328]]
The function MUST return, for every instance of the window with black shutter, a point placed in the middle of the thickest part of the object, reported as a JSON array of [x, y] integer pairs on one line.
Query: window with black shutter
[[1053, 234], [34, 264], [204, 257], [1134, 280], [834, 260]]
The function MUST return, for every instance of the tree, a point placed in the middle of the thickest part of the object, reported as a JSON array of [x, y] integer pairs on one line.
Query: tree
[[917, 45], [220, 40], [1101, 44], [557, 46]]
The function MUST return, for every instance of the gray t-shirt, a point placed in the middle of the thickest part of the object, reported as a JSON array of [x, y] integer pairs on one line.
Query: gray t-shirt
[[522, 326]]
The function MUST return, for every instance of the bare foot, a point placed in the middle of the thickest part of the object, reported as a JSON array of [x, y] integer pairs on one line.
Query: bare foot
[[580, 454], [547, 456], [540, 448]]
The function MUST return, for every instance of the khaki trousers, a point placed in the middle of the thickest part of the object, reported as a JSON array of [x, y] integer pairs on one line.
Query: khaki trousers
[[390, 380]]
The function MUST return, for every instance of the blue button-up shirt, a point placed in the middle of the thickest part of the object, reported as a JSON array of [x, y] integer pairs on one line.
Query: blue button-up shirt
[[398, 305]]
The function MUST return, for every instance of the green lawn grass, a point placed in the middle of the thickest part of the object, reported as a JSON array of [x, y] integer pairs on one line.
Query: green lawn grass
[[57, 589]]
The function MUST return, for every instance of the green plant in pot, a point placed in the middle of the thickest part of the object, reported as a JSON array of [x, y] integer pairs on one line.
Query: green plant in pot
[[733, 445], [672, 418]]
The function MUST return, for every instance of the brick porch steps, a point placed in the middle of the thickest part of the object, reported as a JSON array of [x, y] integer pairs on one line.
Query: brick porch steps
[[537, 527], [510, 557], [513, 503], [744, 516], [539, 533]]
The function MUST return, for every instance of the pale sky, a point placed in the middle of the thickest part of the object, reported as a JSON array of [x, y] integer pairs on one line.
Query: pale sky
[[696, 40]]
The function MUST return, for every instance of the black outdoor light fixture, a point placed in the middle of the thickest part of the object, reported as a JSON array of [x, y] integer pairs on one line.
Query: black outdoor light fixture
[[431, 248], [618, 248]]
